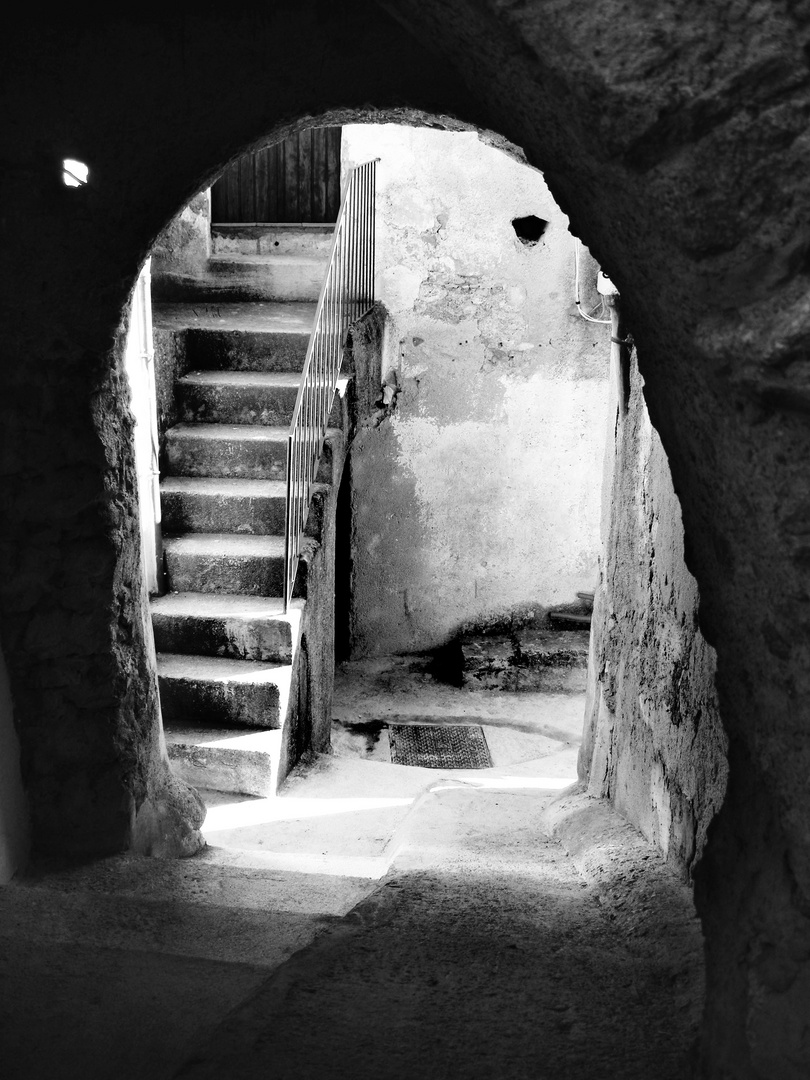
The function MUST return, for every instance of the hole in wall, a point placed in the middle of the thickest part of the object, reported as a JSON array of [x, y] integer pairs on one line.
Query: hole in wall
[[529, 229]]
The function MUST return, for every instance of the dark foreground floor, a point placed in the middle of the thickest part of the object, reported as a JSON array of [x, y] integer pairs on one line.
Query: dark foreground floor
[[512, 938], [487, 955]]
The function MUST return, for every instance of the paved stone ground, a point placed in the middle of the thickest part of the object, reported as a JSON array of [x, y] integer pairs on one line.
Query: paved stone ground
[[375, 921]]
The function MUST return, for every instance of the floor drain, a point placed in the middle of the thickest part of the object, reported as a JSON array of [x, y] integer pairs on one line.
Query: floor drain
[[434, 747]]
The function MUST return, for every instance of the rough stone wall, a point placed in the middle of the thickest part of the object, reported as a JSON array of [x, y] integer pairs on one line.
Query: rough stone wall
[[653, 740], [674, 137], [479, 494], [13, 804], [183, 248]]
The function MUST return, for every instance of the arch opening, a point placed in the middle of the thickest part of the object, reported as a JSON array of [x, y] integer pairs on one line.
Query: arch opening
[[453, 345]]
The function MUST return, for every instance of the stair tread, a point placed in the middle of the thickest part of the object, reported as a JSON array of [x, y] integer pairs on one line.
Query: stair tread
[[245, 432], [225, 605], [224, 485], [273, 226], [258, 740], [241, 259], [221, 669], [229, 485], [260, 380], [224, 432], [274, 317], [233, 544]]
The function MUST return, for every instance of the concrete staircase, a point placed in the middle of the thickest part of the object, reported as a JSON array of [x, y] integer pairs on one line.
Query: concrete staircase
[[227, 654], [285, 262]]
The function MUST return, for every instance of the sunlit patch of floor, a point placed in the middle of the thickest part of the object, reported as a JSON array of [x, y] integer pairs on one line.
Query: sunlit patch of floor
[[347, 813]]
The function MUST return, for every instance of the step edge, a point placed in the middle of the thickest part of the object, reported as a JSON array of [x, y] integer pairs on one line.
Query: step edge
[[165, 661]]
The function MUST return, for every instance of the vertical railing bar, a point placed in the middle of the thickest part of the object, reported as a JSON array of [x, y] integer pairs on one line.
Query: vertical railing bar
[[346, 290], [366, 237], [341, 296], [364, 294], [361, 247], [373, 185], [363, 263], [350, 251], [371, 243], [353, 248], [357, 249], [346, 294]]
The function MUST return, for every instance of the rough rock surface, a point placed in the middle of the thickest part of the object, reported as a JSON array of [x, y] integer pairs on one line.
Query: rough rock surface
[[653, 740]]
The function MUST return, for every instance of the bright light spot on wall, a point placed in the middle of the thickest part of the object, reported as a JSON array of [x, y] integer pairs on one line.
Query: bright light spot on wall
[[74, 173]]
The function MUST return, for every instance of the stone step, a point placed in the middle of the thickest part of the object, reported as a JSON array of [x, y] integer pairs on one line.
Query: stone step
[[564, 620], [226, 563], [228, 760], [237, 350], [219, 504], [213, 692], [268, 277], [528, 659], [314, 240], [222, 504], [237, 397], [241, 337], [552, 648], [211, 624], [243, 451]]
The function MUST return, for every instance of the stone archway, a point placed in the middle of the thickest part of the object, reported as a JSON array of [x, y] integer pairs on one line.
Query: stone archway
[[677, 145]]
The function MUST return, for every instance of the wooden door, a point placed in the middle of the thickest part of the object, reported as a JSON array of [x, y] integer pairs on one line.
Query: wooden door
[[295, 180]]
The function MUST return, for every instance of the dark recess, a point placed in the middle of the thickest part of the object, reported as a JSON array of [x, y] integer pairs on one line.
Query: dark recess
[[529, 229], [343, 569]]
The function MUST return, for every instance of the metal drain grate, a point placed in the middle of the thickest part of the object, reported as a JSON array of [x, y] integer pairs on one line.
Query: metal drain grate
[[434, 747]]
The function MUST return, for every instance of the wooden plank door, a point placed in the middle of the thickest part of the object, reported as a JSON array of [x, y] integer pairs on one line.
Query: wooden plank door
[[293, 181]]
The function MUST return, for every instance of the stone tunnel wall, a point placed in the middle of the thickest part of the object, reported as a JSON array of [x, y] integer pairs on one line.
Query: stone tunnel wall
[[479, 494], [677, 143], [653, 741], [13, 805]]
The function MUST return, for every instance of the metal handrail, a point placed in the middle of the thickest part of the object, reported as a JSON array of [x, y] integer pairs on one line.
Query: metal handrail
[[347, 293]]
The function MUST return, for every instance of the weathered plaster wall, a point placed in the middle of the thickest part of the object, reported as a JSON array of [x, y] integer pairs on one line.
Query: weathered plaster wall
[[13, 804], [653, 740], [480, 493]]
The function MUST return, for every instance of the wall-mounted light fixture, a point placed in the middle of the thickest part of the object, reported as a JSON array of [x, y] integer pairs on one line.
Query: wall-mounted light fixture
[[74, 173]]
